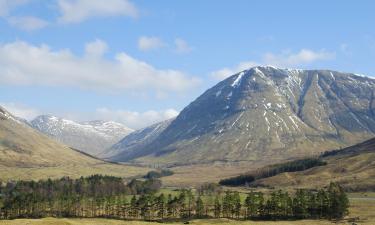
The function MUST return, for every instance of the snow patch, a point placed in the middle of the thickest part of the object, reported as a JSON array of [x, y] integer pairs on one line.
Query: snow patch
[[237, 81]]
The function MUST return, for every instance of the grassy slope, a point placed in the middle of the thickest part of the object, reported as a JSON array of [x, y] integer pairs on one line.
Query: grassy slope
[[353, 167], [28, 154], [362, 208]]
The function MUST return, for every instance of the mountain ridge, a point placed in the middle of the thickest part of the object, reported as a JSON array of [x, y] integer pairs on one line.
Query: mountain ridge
[[91, 137], [266, 112]]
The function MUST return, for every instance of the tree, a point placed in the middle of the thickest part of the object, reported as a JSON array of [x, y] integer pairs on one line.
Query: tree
[[199, 207], [160, 204], [217, 207], [339, 202], [300, 204]]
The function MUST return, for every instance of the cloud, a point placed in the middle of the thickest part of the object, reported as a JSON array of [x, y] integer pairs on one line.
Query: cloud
[[21, 110], [150, 43], [135, 120], [181, 46], [8, 5], [283, 60], [303, 57], [27, 23], [75, 11], [226, 72], [25, 64], [96, 48]]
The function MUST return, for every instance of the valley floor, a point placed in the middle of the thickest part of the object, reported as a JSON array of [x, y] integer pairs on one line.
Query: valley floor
[[362, 206]]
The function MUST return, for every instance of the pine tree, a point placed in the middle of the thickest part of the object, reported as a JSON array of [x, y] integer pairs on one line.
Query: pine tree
[[199, 208], [339, 202], [217, 207], [161, 206]]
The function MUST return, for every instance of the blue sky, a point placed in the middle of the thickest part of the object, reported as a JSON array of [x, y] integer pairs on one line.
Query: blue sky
[[139, 62]]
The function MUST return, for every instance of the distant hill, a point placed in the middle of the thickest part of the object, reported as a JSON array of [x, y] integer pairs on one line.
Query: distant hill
[[352, 167], [27, 154], [91, 137], [264, 114], [130, 144]]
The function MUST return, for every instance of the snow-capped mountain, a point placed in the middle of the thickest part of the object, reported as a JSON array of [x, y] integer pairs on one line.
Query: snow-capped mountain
[[91, 137], [135, 140], [266, 114]]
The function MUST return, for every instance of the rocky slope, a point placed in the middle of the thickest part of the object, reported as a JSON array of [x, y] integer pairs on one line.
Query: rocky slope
[[91, 137], [135, 140], [266, 114]]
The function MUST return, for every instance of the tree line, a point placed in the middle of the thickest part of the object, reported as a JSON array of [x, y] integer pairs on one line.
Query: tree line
[[110, 197], [273, 170]]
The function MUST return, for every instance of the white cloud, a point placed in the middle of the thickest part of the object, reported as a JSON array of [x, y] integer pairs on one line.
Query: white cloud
[[284, 60], [20, 110], [226, 72], [182, 46], [75, 11], [27, 23], [303, 57], [150, 43], [7, 5], [96, 48], [25, 64], [135, 120]]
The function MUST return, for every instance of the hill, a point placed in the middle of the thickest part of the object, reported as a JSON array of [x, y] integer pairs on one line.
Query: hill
[[28, 154], [352, 167]]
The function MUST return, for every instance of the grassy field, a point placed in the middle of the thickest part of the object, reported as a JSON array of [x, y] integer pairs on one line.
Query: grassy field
[[361, 206], [73, 171]]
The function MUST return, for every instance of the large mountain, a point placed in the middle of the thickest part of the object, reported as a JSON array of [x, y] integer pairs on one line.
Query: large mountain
[[136, 140], [91, 137], [266, 114], [27, 154]]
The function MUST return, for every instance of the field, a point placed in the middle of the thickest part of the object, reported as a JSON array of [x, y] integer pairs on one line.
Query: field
[[362, 206], [73, 171]]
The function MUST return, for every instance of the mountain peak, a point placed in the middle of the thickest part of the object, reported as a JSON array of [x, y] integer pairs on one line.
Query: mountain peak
[[91, 137], [268, 112]]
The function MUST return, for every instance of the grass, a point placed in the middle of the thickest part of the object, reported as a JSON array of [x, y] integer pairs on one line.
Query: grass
[[73, 171], [363, 208]]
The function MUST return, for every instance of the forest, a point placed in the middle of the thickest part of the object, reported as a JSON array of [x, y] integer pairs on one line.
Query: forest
[[112, 197], [273, 170]]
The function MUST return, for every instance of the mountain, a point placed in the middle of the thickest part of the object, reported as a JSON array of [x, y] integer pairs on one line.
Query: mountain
[[266, 114], [352, 167], [135, 140], [28, 154], [90, 137]]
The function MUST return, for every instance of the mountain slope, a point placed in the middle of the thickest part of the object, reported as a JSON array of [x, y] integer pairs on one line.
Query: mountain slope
[[267, 113], [130, 144], [27, 154], [91, 137], [352, 167]]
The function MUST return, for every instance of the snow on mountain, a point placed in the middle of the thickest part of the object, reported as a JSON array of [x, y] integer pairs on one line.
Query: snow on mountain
[[266, 114], [91, 137], [136, 140]]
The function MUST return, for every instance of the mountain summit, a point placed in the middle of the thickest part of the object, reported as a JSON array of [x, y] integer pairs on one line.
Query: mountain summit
[[91, 137], [266, 113]]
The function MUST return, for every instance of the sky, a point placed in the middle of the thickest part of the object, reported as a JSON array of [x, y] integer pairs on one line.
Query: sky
[[141, 62]]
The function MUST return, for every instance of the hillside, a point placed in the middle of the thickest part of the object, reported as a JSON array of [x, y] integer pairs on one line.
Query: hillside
[[135, 141], [28, 154], [352, 167], [265, 115], [91, 137]]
